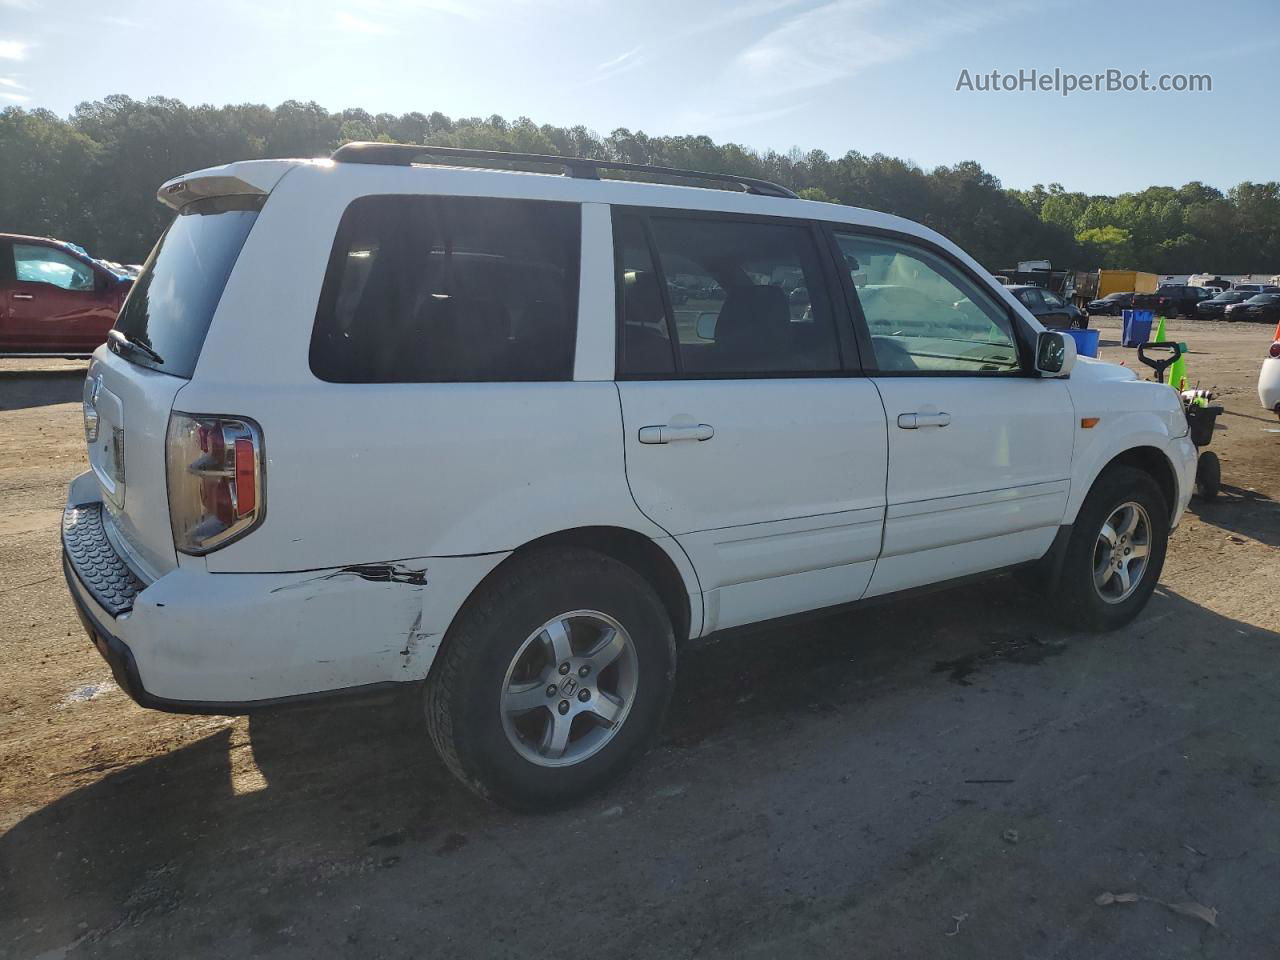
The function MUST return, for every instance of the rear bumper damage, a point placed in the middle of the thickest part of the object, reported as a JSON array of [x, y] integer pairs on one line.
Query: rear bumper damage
[[199, 642]]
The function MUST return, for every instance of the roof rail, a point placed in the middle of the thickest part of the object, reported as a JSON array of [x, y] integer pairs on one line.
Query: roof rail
[[582, 168]]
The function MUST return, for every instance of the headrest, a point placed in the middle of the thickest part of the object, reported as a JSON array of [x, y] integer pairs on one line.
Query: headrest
[[756, 314]]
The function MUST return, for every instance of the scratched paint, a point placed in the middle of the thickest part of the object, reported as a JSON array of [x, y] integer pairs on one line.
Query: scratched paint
[[372, 572]]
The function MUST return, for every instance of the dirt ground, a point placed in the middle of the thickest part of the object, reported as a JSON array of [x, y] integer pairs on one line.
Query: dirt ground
[[952, 776]]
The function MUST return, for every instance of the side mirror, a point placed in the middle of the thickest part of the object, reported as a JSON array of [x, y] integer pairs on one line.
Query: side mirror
[[1055, 354]]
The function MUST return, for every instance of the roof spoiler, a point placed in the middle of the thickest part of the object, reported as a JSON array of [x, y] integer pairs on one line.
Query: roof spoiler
[[250, 178]]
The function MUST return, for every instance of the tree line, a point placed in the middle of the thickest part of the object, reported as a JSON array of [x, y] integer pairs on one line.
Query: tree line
[[91, 178]]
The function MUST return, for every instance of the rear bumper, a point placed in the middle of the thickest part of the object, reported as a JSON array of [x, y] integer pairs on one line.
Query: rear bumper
[[124, 669], [200, 642]]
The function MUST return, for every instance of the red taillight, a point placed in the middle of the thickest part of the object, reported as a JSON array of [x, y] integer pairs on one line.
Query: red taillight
[[246, 477], [215, 471], [1274, 351]]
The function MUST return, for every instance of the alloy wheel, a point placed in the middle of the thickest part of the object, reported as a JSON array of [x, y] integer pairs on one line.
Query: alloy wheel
[[569, 688], [1122, 552]]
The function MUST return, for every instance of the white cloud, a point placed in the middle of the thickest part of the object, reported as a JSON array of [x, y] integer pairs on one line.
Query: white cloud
[[10, 82], [842, 38], [619, 60], [15, 97], [13, 50], [637, 56], [347, 21]]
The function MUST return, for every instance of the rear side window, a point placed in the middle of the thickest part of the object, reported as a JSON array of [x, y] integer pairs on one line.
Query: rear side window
[[173, 299], [726, 298], [449, 289]]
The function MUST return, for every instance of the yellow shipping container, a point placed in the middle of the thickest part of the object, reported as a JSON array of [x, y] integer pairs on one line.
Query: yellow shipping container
[[1126, 281]]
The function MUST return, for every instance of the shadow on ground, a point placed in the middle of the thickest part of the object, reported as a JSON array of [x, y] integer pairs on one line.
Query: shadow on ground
[[1246, 513], [20, 389], [827, 783]]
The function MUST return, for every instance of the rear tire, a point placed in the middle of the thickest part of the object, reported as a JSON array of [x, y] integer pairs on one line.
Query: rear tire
[[512, 699], [1123, 520]]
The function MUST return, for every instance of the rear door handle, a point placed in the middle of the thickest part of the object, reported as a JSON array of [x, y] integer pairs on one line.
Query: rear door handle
[[23, 296], [914, 421], [670, 434]]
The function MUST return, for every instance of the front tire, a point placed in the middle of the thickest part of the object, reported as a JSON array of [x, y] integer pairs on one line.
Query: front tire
[[553, 681], [1116, 551]]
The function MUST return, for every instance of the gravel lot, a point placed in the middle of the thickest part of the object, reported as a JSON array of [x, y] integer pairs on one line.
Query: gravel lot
[[951, 776]]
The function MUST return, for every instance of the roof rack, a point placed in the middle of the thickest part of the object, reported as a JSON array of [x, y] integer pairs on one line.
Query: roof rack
[[581, 168]]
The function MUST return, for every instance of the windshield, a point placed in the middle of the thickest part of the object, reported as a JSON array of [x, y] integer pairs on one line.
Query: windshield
[[173, 299], [1117, 296]]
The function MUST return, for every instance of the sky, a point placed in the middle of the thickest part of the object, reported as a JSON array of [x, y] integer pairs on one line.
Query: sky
[[876, 76]]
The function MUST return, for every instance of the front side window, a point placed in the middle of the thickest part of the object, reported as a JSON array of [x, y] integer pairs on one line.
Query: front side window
[[449, 289], [33, 263], [1052, 300], [745, 298], [924, 315]]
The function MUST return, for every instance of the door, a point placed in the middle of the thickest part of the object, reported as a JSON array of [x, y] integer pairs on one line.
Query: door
[[979, 450], [57, 302], [747, 436]]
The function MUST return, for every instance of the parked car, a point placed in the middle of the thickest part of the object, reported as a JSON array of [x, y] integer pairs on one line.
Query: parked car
[[54, 301], [1050, 309], [1260, 308], [1269, 377], [1110, 305], [1252, 288], [1172, 300], [499, 469], [1216, 307]]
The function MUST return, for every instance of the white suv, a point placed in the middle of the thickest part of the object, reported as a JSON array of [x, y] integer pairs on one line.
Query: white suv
[[370, 421]]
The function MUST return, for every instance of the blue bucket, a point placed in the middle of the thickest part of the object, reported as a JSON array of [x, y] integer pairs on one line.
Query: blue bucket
[[1137, 327], [1086, 341]]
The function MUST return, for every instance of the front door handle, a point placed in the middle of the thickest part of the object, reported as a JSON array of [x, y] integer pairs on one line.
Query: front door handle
[[668, 433], [914, 421], [23, 296]]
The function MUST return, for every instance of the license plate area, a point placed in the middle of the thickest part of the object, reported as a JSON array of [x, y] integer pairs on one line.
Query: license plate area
[[106, 452]]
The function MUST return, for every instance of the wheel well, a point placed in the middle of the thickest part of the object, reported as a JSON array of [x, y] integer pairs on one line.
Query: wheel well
[[635, 550], [1151, 461]]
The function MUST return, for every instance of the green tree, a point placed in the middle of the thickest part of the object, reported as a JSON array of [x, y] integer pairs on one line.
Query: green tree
[[1109, 247]]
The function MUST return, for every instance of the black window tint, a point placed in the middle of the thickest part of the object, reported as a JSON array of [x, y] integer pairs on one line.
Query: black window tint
[[644, 348], [1031, 298], [747, 297], [172, 301], [449, 289]]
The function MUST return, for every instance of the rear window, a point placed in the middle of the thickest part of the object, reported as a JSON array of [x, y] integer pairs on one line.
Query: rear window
[[173, 299], [449, 289]]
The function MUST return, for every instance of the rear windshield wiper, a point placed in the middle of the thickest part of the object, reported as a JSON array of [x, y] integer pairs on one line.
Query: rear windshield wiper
[[133, 343]]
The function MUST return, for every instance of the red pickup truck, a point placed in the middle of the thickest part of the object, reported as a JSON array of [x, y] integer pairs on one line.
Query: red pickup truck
[[54, 301]]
